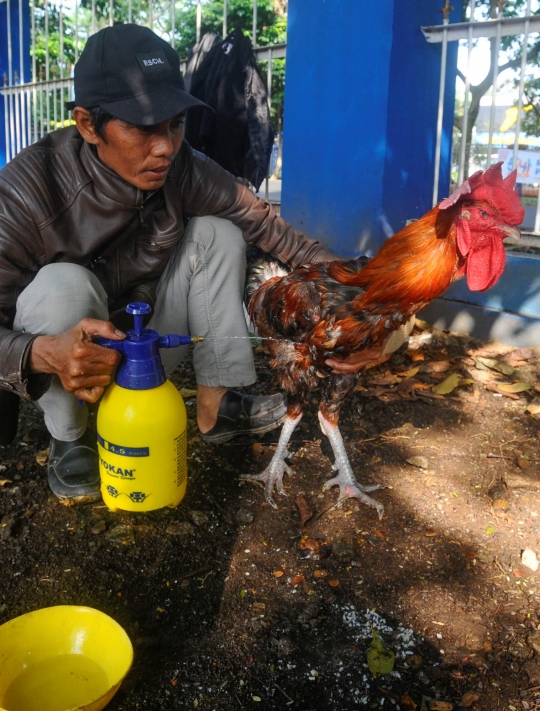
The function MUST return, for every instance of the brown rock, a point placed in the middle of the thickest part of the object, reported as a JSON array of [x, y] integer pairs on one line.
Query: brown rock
[[534, 641], [518, 649], [415, 661], [99, 527], [437, 705], [469, 698], [532, 669], [406, 703]]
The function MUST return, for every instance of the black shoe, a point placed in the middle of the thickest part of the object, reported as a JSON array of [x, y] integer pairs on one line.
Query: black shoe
[[9, 416], [73, 469], [246, 414]]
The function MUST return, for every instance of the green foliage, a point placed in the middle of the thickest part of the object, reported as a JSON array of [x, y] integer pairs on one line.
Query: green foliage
[[509, 60], [59, 63]]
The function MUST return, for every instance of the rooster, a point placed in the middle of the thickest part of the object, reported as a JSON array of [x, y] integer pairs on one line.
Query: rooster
[[327, 322]]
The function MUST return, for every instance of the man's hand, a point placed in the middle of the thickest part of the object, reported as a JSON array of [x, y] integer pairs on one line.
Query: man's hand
[[359, 360], [84, 368]]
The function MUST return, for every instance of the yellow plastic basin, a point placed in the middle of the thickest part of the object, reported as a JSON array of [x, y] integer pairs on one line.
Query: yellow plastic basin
[[63, 658]]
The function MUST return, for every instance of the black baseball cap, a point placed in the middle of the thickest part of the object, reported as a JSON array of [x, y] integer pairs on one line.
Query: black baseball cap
[[133, 74]]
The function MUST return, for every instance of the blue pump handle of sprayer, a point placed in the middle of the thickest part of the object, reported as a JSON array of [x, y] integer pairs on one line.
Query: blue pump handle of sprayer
[[141, 367]]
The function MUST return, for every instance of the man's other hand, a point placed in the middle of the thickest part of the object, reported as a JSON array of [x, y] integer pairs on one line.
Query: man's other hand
[[84, 368]]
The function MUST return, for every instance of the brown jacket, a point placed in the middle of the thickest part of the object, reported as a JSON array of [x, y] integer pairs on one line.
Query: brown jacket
[[59, 203]]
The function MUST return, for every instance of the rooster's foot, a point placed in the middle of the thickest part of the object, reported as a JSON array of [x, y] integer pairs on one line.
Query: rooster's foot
[[352, 489], [271, 478]]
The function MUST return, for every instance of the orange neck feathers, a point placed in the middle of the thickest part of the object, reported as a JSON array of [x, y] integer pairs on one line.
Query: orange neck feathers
[[413, 267]]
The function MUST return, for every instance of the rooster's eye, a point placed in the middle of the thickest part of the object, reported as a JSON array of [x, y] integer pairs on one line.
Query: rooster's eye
[[484, 214]]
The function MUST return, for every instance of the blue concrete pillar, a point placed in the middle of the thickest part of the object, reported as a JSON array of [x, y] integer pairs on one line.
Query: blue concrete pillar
[[361, 98], [10, 12]]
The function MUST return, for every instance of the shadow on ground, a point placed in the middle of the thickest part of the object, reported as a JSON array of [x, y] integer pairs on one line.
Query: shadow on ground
[[232, 605]]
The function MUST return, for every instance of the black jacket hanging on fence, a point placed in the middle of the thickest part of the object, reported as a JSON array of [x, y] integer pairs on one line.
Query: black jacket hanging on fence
[[237, 134]]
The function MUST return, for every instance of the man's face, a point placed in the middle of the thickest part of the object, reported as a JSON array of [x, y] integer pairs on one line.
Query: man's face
[[141, 155]]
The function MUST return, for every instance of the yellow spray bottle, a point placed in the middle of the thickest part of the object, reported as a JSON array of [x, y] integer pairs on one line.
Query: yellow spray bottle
[[142, 424]]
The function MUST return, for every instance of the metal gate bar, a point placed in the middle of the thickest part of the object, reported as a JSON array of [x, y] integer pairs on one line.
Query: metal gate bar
[[495, 28], [34, 105]]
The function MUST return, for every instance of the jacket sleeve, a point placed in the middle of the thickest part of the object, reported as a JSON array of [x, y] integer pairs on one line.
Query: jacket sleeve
[[18, 265], [208, 189]]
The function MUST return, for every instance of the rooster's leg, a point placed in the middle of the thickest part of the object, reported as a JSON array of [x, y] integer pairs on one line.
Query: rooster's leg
[[272, 477], [345, 479]]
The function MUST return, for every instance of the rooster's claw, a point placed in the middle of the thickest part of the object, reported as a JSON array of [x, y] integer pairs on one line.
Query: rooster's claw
[[352, 489], [271, 478]]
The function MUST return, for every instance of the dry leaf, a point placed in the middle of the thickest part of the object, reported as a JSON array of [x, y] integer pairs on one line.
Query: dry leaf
[[417, 355], [420, 462], [448, 385], [314, 548], [493, 387], [373, 392], [519, 356], [410, 373], [513, 387], [405, 388], [438, 366], [534, 408], [277, 573], [493, 364], [384, 379], [3, 482], [432, 395], [297, 579], [303, 509], [186, 393], [42, 457]]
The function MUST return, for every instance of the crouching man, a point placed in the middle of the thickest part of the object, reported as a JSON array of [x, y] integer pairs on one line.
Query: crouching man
[[119, 208]]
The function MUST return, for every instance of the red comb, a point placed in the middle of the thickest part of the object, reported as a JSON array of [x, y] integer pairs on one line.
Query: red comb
[[491, 188]]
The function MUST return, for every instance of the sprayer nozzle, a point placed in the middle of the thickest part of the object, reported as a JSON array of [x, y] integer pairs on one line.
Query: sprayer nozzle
[[197, 339]]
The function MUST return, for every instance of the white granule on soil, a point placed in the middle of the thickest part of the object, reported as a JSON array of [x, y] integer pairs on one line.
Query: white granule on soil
[[400, 639]]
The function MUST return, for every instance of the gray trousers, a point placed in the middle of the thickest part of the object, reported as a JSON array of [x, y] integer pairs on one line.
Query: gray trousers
[[200, 294]]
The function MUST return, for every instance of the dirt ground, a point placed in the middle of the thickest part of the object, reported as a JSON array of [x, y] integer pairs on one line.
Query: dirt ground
[[232, 605]]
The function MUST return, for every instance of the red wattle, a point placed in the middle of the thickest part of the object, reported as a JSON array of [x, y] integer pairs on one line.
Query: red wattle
[[485, 265]]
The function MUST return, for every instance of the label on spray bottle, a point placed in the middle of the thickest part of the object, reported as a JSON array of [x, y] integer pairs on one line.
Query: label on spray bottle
[[124, 451]]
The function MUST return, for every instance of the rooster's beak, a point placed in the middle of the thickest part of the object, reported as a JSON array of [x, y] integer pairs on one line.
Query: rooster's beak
[[512, 234]]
